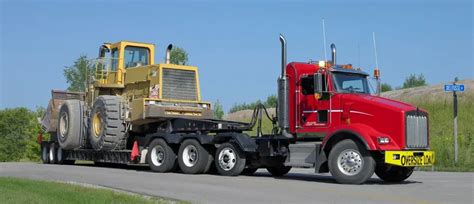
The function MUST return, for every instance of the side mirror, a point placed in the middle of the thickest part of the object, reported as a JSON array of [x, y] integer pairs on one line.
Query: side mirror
[[318, 83]]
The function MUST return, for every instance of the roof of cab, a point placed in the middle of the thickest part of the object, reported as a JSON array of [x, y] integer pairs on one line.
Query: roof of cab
[[352, 71]]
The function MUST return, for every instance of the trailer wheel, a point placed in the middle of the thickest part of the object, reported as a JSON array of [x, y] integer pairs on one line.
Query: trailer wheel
[[106, 129], [278, 171], [60, 155], [229, 159], [45, 153], [393, 174], [52, 153], [161, 157], [70, 124], [350, 163], [193, 158]]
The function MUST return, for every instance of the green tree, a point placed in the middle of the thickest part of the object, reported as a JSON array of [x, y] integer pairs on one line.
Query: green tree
[[271, 102], [386, 87], [18, 130], [414, 81], [178, 56], [218, 110], [77, 75]]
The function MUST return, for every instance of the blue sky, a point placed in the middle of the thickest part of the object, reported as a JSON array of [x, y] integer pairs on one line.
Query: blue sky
[[235, 44]]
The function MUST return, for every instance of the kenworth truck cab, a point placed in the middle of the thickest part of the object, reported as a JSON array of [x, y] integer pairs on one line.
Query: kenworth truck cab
[[360, 132]]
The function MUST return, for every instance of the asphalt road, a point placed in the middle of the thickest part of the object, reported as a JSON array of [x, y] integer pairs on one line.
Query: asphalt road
[[300, 186]]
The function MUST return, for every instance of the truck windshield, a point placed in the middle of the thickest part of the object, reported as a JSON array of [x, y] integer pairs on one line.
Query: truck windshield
[[350, 83]]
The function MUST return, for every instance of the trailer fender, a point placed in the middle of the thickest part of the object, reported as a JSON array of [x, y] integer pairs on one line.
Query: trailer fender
[[244, 141], [178, 138]]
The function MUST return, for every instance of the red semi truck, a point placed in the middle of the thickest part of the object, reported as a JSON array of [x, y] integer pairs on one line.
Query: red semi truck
[[326, 119]]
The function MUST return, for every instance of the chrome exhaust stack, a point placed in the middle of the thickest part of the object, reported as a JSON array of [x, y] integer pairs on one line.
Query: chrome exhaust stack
[[168, 53], [283, 122], [333, 54]]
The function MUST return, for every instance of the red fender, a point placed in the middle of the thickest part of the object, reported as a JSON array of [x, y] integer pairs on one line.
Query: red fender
[[365, 133]]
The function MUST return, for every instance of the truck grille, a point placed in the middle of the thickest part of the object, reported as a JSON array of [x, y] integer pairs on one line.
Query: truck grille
[[179, 84], [416, 129]]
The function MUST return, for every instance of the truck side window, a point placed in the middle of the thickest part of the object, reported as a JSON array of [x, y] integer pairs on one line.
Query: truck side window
[[307, 85]]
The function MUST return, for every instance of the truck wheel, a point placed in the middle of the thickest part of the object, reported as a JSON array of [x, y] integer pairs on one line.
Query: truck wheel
[[45, 153], [393, 174], [52, 153], [249, 171], [278, 171], [193, 158], [70, 124], [106, 129], [229, 159], [161, 157], [350, 163]]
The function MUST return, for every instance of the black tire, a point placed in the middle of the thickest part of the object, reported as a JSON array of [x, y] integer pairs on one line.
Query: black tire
[[69, 162], [45, 153], [356, 163], [71, 132], [393, 174], [193, 158], [53, 153], [229, 160], [161, 157], [278, 171], [100, 164], [60, 156], [249, 171], [107, 129]]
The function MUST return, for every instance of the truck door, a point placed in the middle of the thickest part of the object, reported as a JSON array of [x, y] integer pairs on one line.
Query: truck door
[[314, 108]]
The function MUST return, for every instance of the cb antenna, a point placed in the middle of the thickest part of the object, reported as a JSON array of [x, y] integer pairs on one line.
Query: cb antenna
[[376, 70], [324, 41]]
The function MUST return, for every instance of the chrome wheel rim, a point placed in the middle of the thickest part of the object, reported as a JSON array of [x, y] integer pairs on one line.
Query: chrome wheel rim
[[51, 153], [350, 162], [190, 155], [64, 124], [157, 155], [227, 159]]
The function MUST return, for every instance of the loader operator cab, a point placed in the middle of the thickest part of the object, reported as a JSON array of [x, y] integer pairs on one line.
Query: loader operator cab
[[114, 58]]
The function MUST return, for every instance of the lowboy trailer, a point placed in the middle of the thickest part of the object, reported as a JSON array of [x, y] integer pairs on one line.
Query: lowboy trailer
[[134, 111]]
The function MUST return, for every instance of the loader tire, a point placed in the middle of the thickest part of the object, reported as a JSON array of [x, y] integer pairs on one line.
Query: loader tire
[[107, 129], [71, 132]]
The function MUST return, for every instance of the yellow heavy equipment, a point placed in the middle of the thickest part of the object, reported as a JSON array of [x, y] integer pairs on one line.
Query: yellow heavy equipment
[[127, 93]]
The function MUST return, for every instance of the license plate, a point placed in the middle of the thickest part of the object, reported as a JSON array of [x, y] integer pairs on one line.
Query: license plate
[[410, 158]]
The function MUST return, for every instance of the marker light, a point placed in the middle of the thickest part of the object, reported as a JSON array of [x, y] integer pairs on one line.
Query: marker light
[[383, 140], [322, 64]]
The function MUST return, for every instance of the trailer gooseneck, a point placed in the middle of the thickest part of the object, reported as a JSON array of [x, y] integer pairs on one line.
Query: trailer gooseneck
[[135, 111]]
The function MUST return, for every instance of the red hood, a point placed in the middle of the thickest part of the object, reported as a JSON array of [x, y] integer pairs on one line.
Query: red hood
[[384, 115]]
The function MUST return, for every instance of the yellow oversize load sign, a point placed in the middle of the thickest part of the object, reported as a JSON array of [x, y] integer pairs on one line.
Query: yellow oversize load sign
[[410, 158]]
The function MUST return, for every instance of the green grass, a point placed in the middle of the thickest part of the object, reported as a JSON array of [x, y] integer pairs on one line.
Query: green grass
[[15, 190], [441, 132]]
